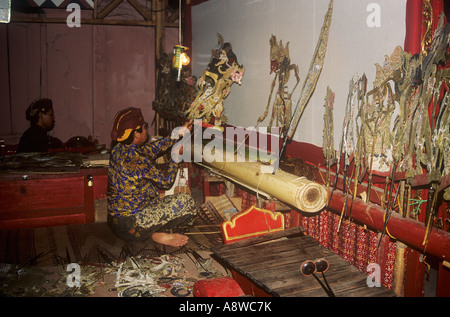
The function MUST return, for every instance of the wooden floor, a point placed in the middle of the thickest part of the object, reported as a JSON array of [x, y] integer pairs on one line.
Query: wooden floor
[[275, 267]]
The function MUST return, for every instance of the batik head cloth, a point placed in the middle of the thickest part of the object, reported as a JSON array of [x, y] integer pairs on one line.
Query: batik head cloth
[[125, 122]]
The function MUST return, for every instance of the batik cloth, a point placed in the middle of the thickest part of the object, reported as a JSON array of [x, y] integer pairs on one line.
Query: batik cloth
[[160, 216], [135, 210]]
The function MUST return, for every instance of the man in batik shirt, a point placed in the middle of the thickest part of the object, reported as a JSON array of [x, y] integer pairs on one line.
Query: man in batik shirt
[[135, 210]]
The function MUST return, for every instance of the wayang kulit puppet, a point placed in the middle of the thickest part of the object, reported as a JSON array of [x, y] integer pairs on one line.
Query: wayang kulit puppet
[[214, 85], [280, 64], [403, 130], [173, 98]]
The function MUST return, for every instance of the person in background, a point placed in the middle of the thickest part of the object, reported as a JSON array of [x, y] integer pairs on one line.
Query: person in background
[[42, 120], [135, 210]]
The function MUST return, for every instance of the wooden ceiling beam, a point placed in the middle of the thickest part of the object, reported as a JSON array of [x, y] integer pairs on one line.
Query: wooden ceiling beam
[[174, 16], [93, 21], [106, 10], [99, 16], [142, 11]]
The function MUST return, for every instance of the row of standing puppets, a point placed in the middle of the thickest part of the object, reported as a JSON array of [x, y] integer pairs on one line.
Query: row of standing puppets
[[204, 98], [212, 88], [372, 140]]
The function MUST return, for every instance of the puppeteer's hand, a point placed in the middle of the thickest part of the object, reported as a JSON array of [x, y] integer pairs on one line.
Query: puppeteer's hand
[[179, 132], [178, 148], [189, 124]]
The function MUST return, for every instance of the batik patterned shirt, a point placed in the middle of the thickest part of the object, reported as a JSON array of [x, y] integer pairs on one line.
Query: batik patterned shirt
[[134, 177]]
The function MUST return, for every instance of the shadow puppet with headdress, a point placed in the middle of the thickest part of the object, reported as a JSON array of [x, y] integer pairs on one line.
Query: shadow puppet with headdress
[[214, 85]]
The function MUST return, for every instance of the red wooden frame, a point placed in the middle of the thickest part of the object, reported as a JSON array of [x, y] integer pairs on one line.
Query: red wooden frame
[[252, 222]]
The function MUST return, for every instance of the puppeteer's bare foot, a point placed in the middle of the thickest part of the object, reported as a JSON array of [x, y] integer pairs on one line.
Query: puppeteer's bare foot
[[172, 239]]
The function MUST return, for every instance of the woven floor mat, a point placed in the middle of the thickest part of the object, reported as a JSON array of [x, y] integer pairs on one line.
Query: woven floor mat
[[85, 243]]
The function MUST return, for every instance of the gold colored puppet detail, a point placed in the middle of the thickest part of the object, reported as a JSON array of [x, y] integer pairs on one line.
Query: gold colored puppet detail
[[380, 106], [427, 18], [328, 132], [280, 64], [416, 141], [214, 85]]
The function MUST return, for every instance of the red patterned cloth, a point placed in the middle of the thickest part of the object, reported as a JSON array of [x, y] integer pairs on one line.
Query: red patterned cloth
[[354, 243]]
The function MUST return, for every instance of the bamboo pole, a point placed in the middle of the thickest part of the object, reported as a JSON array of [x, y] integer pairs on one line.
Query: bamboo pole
[[399, 268], [297, 192], [399, 264]]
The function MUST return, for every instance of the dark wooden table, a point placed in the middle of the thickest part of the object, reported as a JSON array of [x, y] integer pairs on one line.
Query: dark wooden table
[[273, 263]]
